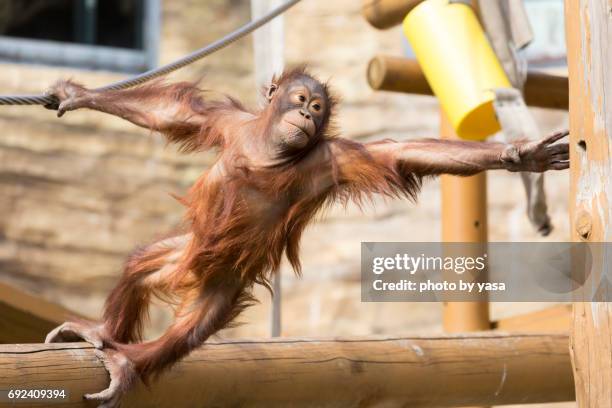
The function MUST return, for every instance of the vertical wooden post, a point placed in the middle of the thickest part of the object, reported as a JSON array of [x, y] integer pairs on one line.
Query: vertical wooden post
[[464, 219], [269, 49], [589, 53]]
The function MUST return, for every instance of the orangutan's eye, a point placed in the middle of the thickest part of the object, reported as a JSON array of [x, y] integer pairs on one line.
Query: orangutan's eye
[[316, 107], [302, 98]]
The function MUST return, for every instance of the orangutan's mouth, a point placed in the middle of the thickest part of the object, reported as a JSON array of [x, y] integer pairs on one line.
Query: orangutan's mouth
[[300, 128]]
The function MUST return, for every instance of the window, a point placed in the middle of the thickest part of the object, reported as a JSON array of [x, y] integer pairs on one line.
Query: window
[[118, 35]]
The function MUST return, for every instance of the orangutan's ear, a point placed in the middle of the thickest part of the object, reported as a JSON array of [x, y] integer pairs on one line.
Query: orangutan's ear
[[270, 93]]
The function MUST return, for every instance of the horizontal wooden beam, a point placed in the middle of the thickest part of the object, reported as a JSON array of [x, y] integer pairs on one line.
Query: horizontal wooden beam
[[25, 318], [396, 74], [444, 371], [384, 14], [555, 318]]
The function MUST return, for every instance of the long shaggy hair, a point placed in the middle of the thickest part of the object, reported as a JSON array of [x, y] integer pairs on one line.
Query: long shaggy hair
[[241, 218]]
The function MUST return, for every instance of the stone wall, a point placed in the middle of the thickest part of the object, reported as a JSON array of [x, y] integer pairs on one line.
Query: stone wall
[[78, 193]]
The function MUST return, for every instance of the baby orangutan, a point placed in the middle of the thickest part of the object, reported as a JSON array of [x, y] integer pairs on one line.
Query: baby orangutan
[[275, 169]]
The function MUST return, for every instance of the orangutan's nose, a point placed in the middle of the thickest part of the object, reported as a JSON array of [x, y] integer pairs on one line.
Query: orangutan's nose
[[305, 114]]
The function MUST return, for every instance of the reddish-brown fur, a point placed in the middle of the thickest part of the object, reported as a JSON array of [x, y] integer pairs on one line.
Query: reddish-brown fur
[[253, 205]]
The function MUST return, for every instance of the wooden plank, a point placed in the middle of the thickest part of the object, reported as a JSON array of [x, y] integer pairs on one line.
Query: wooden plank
[[397, 74], [25, 318], [392, 372], [555, 318], [589, 35]]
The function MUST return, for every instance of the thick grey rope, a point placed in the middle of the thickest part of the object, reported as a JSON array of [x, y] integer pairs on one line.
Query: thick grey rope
[[166, 69]]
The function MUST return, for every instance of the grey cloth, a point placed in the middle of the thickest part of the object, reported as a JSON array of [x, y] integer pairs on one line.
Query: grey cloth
[[520, 27], [508, 29], [517, 122]]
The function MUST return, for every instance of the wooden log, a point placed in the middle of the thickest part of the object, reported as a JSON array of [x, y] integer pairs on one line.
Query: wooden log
[[25, 318], [398, 74], [439, 371], [589, 35], [547, 91], [384, 14]]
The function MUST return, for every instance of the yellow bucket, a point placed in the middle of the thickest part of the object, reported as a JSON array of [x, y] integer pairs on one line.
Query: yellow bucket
[[459, 64]]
